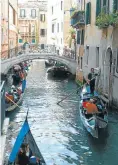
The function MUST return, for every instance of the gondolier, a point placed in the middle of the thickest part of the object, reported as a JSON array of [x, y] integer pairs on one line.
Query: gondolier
[[91, 80]]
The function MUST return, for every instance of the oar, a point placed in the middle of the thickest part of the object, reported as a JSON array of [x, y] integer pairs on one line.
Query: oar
[[74, 91]]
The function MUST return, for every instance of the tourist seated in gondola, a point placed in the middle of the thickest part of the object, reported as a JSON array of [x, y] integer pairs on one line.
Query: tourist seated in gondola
[[23, 159], [90, 107]]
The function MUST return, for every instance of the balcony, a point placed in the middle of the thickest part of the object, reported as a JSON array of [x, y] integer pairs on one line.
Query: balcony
[[27, 34], [77, 19]]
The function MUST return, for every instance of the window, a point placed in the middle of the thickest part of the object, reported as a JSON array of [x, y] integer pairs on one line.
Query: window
[[97, 57], [58, 27], [33, 13], [102, 5], [22, 12], [78, 37], [115, 5], [78, 60], [105, 6], [20, 41], [98, 7], [42, 32], [81, 63], [87, 54], [117, 62], [61, 5], [33, 40], [62, 26], [82, 37], [52, 28], [2, 36], [42, 17], [88, 13], [52, 9], [14, 17], [33, 29]]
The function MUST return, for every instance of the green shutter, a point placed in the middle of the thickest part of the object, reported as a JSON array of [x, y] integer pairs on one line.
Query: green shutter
[[89, 20], [98, 7], [20, 40], [115, 5], [87, 14], [33, 40], [78, 37], [82, 37]]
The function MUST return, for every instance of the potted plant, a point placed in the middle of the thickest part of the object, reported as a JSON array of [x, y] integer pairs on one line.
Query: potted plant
[[72, 33]]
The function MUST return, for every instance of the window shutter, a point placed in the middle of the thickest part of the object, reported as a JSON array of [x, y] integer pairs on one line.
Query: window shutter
[[87, 10], [82, 37], [89, 17], [88, 13], [98, 7], [44, 17], [78, 37]]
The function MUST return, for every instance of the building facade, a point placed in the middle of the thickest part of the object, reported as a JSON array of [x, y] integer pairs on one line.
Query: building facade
[[0, 26], [4, 28], [32, 24], [13, 24], [43, 27], [101, 45], [58, 23]]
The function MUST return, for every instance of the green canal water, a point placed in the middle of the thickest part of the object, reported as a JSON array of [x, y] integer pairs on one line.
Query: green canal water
[[58, 130]]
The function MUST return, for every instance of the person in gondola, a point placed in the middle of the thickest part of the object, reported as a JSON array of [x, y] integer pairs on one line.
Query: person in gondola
[[16, 78], [23, 159], [91, 80]]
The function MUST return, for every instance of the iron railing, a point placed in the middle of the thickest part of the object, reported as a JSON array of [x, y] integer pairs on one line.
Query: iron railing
[[69, 53], [2, 89], [12, 52], [37, 48]]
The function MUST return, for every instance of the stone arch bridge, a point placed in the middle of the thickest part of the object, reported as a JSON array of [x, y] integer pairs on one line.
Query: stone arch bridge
[[6, 64]]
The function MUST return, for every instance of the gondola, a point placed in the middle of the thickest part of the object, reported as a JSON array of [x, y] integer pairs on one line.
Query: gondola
[[25, 138], [10, 107], [95, 121], [58, 71], [49, 63]]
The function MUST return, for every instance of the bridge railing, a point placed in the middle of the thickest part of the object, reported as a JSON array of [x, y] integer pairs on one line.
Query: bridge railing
[[69, 53], [2, 90], [34, 48], [12, 52], [40, 48]]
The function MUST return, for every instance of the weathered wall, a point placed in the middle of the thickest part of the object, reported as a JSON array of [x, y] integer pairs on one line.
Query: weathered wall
[[107, 41]]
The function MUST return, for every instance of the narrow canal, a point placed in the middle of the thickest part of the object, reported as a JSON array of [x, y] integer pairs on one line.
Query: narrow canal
[[57, 130]]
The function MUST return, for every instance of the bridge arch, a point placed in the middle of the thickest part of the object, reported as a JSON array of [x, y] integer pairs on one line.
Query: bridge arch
[[9, 63]]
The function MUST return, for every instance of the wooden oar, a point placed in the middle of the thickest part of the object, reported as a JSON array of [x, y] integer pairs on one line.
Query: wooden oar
[[74, 91]]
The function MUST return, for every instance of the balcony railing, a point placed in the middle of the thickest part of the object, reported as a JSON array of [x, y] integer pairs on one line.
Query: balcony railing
[[77, 19], [27, 34]]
